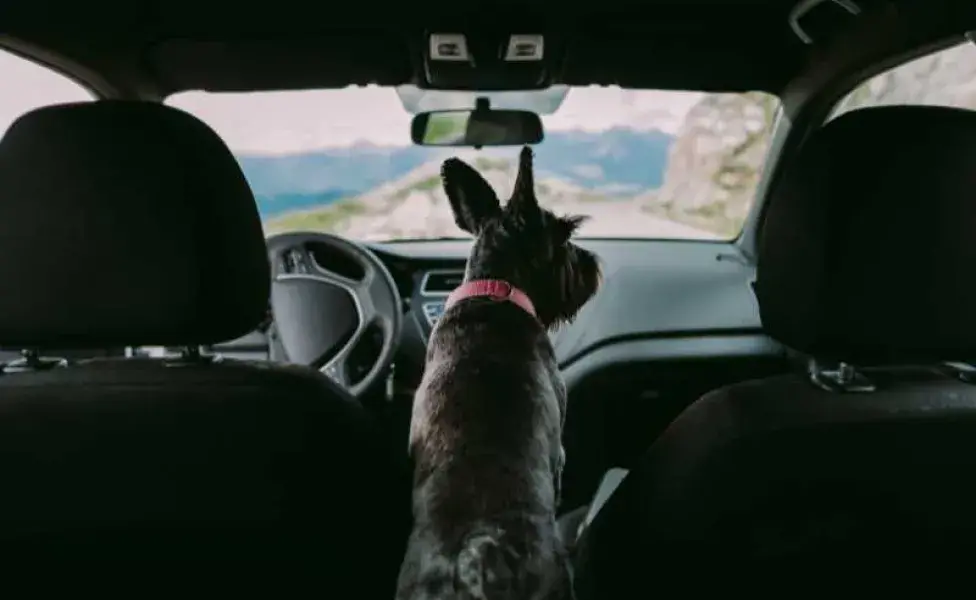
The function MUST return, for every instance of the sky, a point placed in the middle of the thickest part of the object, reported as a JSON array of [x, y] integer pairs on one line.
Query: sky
[[299, 121]]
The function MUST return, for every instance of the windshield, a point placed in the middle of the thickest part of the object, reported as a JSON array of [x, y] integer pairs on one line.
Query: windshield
[[639, 163]]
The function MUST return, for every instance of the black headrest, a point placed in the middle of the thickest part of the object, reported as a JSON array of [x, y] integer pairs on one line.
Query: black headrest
[[868, 248], [125, 223]]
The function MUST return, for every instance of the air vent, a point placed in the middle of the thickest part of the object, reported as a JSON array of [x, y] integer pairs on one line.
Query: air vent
[[440, 283]]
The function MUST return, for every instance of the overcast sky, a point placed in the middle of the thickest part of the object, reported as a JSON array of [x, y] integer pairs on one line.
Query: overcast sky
[[284, 122]]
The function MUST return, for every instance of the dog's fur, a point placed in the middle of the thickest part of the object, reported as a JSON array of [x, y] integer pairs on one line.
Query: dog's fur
[[488, 415]]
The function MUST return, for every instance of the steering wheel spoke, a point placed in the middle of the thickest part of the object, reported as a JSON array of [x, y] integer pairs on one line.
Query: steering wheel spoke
[[338, 368], [342, 281]]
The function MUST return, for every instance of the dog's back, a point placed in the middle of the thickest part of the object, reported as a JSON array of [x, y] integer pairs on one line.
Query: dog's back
[[486, 430], [496, 560], [484, 491]]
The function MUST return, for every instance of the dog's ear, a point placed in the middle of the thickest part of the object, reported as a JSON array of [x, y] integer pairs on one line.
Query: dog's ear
[[473, 201], [524, 203]]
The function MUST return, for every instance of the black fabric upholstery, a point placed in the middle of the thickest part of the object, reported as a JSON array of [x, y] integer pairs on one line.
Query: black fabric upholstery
[[865, 257], [778, 473], [131, 223], [867, 244], [125, 224], [164, 464]]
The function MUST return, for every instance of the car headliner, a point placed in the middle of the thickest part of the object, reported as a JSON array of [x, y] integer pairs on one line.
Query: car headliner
[[155, 48], [158, 48]]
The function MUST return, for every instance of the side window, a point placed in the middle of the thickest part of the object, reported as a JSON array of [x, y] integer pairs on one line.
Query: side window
[[28, 85], [943, 78]]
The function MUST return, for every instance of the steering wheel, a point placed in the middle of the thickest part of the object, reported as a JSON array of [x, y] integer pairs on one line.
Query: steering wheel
[[323, 317]]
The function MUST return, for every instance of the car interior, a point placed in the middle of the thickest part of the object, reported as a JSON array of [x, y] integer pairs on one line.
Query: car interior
[[185, 394]]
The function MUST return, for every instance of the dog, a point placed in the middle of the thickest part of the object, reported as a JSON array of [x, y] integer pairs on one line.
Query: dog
[[486, 427]]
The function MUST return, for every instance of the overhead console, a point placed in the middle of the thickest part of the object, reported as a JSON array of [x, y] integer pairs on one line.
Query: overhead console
[[488, 59]]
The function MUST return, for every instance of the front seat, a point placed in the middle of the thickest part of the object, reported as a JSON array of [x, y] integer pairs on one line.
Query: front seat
[[131, 224], [868, 458]]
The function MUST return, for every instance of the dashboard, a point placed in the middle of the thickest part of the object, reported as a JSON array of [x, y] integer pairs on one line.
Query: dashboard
[[658, 299], [652, 290], [661, 300]]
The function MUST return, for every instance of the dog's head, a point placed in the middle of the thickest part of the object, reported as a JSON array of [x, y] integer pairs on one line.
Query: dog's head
[[522, 243]]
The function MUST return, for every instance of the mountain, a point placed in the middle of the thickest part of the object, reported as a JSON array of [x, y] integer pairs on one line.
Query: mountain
[[415, 206], [270, 205], [618, 161], [713, 172], [356, 168]]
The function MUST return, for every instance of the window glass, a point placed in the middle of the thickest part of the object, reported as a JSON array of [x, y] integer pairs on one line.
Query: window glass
[[646, 164], [943, 78]]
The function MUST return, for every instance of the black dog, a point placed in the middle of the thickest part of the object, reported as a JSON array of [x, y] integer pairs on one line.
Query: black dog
[[488, 416]]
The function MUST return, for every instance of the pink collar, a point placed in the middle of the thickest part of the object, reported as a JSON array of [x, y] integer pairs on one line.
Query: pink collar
[[496, 289]]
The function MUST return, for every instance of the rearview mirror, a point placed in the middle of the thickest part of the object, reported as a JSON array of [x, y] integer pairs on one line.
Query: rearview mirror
[[479, 127]]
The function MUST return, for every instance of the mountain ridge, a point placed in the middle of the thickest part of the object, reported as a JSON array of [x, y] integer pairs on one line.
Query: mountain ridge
[[617, 161], [415, 205]]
